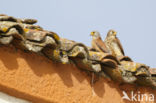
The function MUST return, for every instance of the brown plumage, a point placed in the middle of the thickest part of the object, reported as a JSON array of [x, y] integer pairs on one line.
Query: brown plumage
[[113, 44], [119, 44], [97, 42]]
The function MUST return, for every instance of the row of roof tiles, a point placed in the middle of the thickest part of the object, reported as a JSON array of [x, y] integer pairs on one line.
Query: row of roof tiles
[[24, 35]]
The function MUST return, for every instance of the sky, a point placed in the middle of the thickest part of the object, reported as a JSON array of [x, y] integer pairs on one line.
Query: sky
[[134, 21]]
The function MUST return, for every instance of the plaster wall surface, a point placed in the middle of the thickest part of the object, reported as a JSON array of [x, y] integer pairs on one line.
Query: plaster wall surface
[[37, 79]]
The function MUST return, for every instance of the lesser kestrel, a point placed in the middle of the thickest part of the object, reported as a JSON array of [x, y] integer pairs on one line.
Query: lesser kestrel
[[97, 42], [113, 44]]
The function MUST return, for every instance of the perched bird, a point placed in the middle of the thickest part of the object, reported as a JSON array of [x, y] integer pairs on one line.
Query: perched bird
[[113, 44], [97, 42]]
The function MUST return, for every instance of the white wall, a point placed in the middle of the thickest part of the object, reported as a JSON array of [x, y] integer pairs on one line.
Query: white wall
[[5, 98]]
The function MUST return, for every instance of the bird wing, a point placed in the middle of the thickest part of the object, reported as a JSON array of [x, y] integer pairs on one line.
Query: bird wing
[[101, 45], [120, 46]]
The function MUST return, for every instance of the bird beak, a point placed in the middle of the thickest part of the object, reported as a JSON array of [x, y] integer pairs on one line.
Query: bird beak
[[92, 33], [115, 33]]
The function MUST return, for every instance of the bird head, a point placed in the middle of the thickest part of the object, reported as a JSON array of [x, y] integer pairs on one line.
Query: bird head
[[111, 33], [95, 34]]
